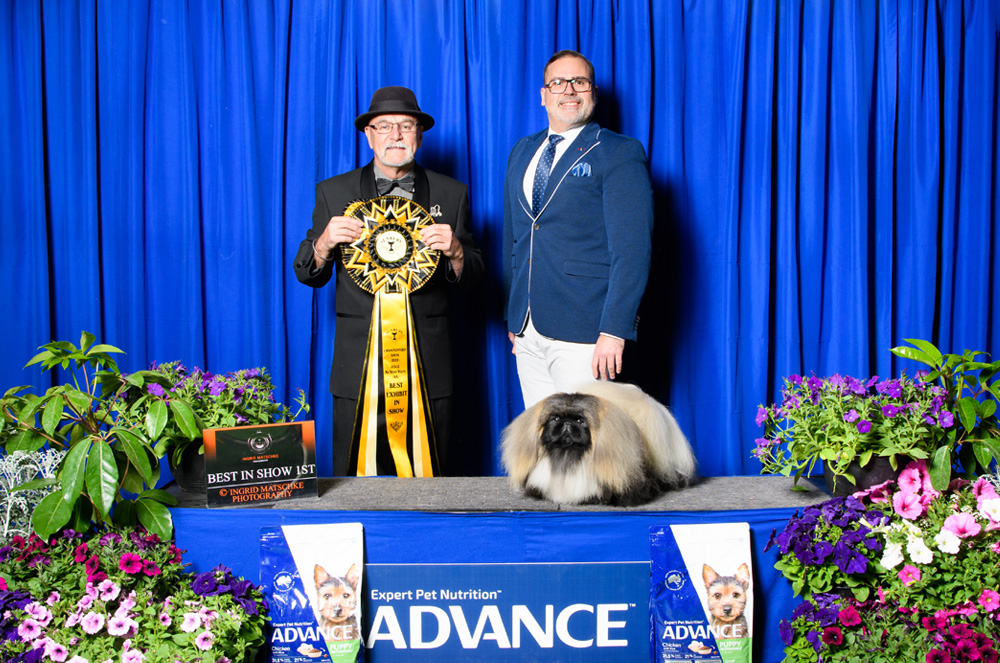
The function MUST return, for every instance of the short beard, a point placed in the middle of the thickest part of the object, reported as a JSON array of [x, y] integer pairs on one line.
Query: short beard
[[404, 160]]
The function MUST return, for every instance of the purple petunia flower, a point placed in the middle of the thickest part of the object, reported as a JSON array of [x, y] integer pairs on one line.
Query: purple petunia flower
[[864, 426], [155, 389], [786, 632]]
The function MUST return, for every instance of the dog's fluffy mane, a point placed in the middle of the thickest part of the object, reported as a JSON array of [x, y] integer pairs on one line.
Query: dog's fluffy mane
[[636, 451]]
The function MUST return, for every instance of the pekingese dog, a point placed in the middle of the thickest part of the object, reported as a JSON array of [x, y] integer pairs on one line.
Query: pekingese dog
[[606, 443]]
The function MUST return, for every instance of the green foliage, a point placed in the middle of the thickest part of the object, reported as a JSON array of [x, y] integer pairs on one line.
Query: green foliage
[[972, 389], [103, 456], [115, 428]]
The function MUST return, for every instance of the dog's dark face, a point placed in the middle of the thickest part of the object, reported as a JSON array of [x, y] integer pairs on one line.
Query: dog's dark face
[[566, 427]]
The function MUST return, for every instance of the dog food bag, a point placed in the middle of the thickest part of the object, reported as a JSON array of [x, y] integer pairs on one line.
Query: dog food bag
[[701, 598], [312, 577]]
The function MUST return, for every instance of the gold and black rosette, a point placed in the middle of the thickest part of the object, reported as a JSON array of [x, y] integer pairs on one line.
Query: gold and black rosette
[[391, 260]]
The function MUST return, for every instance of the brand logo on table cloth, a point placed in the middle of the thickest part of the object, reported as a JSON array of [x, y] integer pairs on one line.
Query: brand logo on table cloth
[[475, 612]]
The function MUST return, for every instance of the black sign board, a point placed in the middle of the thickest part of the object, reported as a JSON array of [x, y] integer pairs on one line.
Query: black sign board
[[248, 465]]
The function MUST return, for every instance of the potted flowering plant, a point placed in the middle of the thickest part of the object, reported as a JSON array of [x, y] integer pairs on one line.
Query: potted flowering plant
[[843, 421], [210, 400], [122, 595], [115, 428], [933, 593]]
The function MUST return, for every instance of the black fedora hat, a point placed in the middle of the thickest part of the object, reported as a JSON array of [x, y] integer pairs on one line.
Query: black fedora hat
[[394, 100]]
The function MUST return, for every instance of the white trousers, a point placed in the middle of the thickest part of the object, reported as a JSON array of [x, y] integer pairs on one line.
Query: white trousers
[[546, 366]]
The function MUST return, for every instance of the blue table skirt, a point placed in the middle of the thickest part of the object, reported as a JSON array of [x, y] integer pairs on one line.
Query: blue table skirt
[[231, 537]]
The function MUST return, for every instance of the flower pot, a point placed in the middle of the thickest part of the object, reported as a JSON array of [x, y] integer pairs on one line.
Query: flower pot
[[878, 470], [189, 473]]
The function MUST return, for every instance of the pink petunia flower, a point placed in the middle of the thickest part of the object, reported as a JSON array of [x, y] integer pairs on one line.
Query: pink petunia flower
[[192, 621], [132, 656], [962, 525], [130, 563], [92, 622], [911, 479], [849, 616], [909, 575], [53, 599], [118, 625], [205, 639], [990, 600], [29, 630], [56, 651], [907, 505], [983, 490]]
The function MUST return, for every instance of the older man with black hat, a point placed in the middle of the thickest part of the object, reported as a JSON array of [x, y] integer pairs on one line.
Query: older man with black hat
[[394, 126]]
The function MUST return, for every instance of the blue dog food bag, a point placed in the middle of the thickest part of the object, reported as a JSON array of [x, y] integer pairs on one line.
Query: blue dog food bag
[[311, 575], [701, 600]]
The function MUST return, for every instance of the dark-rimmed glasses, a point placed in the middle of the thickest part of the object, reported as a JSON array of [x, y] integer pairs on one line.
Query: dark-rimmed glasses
[[406, 127], [579, 84]]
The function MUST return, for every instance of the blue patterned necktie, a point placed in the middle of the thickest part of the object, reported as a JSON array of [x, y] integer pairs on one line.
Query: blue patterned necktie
[[542, 172]]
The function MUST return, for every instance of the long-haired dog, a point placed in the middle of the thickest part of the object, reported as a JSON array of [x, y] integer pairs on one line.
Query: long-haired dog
[[727, 601], [337, 603], [606, 443]]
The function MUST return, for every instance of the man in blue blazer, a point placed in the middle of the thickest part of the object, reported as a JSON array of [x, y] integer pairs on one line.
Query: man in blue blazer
[[578, 222]]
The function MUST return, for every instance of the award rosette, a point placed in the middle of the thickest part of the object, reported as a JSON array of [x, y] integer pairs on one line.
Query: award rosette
[[390, 260]]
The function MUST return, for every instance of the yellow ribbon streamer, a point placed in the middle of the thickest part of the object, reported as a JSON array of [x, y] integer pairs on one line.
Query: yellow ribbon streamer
[[390, 260]]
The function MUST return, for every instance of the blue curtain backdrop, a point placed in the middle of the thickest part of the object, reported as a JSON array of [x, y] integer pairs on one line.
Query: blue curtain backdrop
[[825, 177]]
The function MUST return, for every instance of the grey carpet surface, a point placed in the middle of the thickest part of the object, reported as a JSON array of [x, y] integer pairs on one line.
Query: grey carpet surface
[[485, 494]]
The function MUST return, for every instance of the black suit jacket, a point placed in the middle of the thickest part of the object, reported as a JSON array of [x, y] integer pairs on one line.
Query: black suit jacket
[[429, 304]]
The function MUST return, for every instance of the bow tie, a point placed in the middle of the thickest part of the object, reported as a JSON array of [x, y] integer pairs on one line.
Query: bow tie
[[385, 185]]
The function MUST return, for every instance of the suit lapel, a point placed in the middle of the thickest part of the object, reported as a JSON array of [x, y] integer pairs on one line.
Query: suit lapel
[[522, 166], [578, 149], [367, 186], [421, 188]]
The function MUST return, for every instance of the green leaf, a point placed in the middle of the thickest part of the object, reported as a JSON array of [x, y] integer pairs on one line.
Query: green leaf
[[967, 412], [940, 468], [86, 340], [82, 513], [155, 517], [159, 495], [34, 484], [156, 419], [186, 419], [102, 477], [125, 513], [32, 404], [73, 470], [987, 409], [987, 450], [52, 415], [135, 448], [24, 440], [78, 400], [41, 356], [51, 513], [103, 347], [983, 453]]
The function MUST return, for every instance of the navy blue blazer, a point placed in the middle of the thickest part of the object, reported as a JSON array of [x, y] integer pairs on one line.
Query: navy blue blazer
[[582, 262]]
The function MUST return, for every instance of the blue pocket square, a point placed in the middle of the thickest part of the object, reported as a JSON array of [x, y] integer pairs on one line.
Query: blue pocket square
[[581, 169]]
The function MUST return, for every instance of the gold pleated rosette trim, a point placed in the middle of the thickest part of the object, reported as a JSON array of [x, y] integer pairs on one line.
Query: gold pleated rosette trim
[[390, 255], [390, 260]]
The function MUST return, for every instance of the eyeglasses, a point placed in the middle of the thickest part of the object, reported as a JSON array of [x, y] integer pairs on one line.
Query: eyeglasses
[[406, 127], [558, 85]]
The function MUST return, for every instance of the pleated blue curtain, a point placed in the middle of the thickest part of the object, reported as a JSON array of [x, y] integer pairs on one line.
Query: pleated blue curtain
[[824, 172]]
